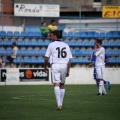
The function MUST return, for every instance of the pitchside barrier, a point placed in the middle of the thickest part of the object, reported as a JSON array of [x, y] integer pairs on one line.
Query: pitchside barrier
[[35, 76]]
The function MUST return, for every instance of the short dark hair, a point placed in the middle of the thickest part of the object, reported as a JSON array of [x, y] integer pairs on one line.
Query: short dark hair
[[58, 33], [52, 21], [42, 23], [14, 43], [99, 41]]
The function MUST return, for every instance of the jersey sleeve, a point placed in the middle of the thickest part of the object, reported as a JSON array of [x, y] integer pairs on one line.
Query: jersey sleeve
[[48, 52], [92, 57], [70, 54], [99, 52]]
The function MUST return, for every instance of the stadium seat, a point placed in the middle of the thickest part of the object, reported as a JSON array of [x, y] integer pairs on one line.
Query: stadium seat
[[20, 42], [96, 35], [83, 35], [84, 52], [10, 34], [92, 42], [72, 51], [74, 60], [41, 43], [23, 51], [37, 52], [90, 51], [1, 42], [43, 51], [117, 43], [17, 34], [9, 51], [73, 43], [30, 35], [76, 35], [112, 43], [27, 42], [106, 43], [80, 43], [24, 34], [3, 34], [34, 42], [30, 52], [12, 40], [110, 52], [118, 60], [78, 52], [3, 51], [40, 60], [109, 35], [67, 42], [87, 61], [37, 34], [81, 60], [113, 60], [116, 35], [26, 60], [18, 60], [86, 43], [70, 35], [90, 35], [34, 60], [47, 42], [102, 35], [6, 42], [64, 35], [117, 52]]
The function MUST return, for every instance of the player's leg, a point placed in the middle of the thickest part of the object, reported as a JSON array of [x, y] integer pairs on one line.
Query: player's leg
[[107, 83], [94, 75], [56, 81], [62, 93]]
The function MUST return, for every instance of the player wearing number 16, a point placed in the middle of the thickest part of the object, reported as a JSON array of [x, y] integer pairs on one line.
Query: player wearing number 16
[[60, 56]]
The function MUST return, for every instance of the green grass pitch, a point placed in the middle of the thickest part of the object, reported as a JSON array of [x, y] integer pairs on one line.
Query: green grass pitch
[[37, 102]]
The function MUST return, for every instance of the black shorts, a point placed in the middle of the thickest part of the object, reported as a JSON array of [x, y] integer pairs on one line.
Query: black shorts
[[10, 59]]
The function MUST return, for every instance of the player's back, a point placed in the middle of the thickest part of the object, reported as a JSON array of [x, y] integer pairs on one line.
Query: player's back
[[60, 52]]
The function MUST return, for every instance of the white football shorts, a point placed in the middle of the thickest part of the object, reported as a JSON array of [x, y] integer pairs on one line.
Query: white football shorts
[[100, 72], [58, 73]]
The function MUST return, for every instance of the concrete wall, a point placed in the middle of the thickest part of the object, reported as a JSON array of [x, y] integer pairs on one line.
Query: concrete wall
[[81, 76]]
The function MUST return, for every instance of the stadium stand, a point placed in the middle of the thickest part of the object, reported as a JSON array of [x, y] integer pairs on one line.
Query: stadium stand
[[32, 46]]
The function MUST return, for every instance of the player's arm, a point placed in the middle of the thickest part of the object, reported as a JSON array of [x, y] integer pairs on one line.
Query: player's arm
[[92, 59], [96, 53], [46, 63], [13, 51], [68, 68]]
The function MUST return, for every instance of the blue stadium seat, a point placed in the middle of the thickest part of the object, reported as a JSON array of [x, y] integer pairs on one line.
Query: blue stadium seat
[[90, 35], [34, 42], [67, 42], [116, 35], [92, 42], [74, 60], [27, 42], [96, 35], [18, 60], [118, 60], [23, 51], [117, 52], [17, 34], [24, 34], [102, 35], [34, 60], [3, 34], [73, 43], [3, 51], [10, 34], [78, 52], [110, 52], [113, 60], [6, 42], [9, 51], [84, 52], [80, 43], [64, 35], [86, 43], [87, 61], [106, 43], [41, 43], [72, 51], [1, 43], [76, 35], [20, 42], [83, 35], [47, 42], [12, 40], [37, 34], [19, 52], [90, 51], [37, 52], [30, 52], [112, 43], [40, 60], [70, 35], [4, 58], [117, 43], [30, 34], [26, 60], [81, 60], [109, 35], [43, 51]]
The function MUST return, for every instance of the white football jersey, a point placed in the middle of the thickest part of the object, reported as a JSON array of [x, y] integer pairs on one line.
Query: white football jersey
[[59, 52], [15, 49], [100, 57]]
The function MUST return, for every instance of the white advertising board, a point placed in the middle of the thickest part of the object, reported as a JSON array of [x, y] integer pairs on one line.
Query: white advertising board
[[12, 75], [36, 10]]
